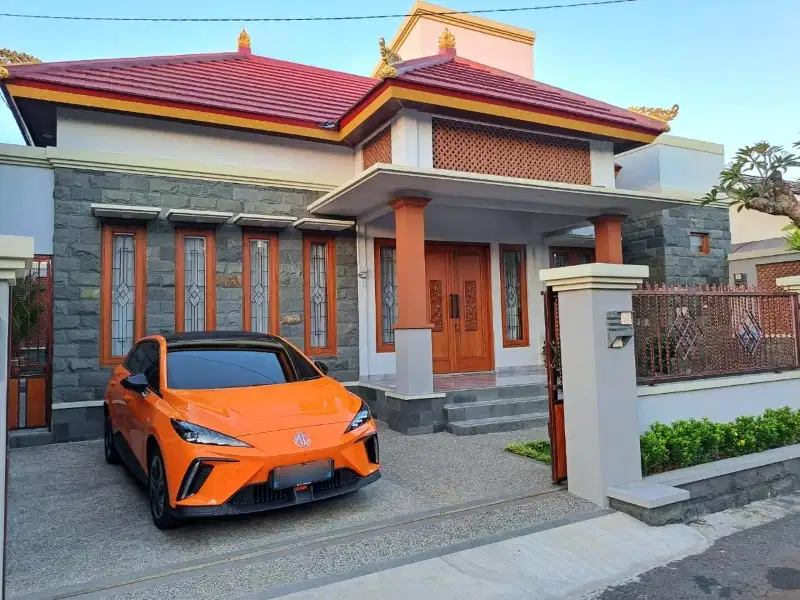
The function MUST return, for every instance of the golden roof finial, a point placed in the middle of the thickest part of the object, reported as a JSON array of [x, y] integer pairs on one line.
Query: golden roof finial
[[388, 55], [244, 39], [447, 40], [660, 114], [9, 57]]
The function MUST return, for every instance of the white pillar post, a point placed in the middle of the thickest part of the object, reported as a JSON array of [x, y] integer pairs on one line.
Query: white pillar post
[[599, 382], [16, 253]]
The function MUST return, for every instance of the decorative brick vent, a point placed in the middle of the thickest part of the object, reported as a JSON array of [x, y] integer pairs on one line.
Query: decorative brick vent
[[378, 149], [766, 274], [475, 148]]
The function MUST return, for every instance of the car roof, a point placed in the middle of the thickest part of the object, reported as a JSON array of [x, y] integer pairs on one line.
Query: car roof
[[207, 339]]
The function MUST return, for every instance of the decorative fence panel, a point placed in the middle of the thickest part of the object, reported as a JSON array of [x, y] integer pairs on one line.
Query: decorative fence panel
[[693, 332]]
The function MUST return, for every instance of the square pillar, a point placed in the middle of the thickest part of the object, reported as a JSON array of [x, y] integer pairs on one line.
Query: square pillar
[[412, 338], [608, 238], [600, 401]]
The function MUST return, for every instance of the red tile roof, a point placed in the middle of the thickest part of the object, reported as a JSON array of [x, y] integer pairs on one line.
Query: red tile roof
[[458, 74], [230, 81]]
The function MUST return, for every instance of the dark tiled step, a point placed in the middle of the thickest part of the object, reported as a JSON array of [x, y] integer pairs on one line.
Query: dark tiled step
[[496, 393], [493, 424], [484, 409]]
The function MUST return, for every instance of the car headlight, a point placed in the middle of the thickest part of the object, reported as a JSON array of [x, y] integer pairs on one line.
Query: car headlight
[[196, 434], [362, 416]]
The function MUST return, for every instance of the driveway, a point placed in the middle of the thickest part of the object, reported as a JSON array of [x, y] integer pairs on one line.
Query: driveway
[[73, 518]]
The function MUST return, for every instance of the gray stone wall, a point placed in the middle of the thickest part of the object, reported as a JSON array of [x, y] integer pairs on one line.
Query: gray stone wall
[[661, 241], [77, 375]]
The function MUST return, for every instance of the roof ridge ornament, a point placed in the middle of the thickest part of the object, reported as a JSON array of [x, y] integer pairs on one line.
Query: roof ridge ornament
[[10, 57], [660, 114], [388, 58], [447, 40], [243, 41]]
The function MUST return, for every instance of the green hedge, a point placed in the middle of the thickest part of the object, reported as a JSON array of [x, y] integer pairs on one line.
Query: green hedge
[[692, 442]]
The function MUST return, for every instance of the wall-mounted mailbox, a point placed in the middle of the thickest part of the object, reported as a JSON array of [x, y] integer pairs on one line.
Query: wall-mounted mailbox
[[619, 324]]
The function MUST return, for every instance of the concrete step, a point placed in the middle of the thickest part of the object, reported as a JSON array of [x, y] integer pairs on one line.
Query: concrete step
[[493, 424], [505, 392], [483, 409]]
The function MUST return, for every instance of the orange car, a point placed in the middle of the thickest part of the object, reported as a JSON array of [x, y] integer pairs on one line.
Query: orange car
[[219, 423]]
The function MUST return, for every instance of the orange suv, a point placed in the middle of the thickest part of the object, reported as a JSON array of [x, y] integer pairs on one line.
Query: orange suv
[[221, 423]]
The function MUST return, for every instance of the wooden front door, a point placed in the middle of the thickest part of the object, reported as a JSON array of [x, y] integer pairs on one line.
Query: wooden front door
[[459, 307]]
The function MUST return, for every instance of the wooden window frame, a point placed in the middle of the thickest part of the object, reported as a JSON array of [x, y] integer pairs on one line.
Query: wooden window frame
[[211, 275], [705, 242], [572, 253], [381, 243], [330, 256], [523, 296], [108, 230], [274, 278]]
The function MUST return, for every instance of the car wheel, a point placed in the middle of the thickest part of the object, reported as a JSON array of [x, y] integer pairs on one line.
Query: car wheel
[[160, 510], [109, 449]]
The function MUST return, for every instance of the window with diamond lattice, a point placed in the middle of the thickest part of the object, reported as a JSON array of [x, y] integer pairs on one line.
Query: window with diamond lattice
[[513, 286], [195, 281], [260, 282], [122, 291], [319, 259], [477, 148], [377, 149], [385, 293]]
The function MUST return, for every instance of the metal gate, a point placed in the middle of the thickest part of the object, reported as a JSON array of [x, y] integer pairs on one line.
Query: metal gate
[[31, 347], [555, 397]]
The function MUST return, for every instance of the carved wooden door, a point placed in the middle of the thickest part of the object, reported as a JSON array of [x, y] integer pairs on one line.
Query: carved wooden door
[[459, 307]]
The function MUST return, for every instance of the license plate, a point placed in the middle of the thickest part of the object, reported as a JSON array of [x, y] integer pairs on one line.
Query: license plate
[[294, 475]]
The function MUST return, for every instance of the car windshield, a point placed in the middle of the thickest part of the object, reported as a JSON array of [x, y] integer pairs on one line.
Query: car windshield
[[218, 368]]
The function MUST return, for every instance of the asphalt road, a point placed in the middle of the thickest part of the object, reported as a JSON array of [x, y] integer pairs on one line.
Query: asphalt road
[[762, 563]]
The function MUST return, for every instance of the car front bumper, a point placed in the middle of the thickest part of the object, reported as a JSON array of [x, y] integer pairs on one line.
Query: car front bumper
[[260, 497]]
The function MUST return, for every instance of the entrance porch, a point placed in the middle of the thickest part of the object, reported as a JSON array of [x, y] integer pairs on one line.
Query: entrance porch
[[448, 267]]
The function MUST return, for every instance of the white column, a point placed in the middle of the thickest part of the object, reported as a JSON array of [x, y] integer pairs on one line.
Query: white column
[[602, 432], [16, 253]]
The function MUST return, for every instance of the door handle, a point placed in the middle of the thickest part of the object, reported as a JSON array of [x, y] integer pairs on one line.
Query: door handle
[[454, 308]]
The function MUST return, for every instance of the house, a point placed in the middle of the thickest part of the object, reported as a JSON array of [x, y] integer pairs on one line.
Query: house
[[392, 226], [759, 253]]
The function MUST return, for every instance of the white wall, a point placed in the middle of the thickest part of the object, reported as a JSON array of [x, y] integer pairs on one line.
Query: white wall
[[601, 155], [412, 139], [720, 399], [640, 170], [123, 134], [26, 204]]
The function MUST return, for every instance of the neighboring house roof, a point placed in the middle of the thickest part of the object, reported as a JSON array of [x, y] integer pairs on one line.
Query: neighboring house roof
[[238, 89], [769, 244]]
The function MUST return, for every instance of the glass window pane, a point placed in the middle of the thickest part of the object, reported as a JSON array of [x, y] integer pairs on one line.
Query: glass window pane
[[560, 259], [388, 293], [123, 296], [318, 292], [194, 268], [259, 286], [212, 369], [512, 273]]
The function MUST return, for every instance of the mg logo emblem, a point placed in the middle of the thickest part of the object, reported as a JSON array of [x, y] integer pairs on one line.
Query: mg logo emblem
[[301, 440]]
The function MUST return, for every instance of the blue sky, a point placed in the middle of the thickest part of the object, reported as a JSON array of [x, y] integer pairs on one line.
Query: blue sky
[[732, 65]]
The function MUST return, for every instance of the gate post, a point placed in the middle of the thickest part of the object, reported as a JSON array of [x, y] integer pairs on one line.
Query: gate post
[[599, 381], [16, 254]]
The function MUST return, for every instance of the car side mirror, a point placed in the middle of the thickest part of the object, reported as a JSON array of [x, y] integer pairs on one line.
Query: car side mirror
[[136, 383], [321, 366]]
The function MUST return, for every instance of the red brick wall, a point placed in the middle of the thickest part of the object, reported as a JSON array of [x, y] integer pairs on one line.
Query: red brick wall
[[767, 273]]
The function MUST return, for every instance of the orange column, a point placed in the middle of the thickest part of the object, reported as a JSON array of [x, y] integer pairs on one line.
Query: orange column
[[608, 238], [410, 231]]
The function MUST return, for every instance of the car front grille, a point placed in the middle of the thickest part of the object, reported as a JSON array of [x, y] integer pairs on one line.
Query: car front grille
[[262, 493]]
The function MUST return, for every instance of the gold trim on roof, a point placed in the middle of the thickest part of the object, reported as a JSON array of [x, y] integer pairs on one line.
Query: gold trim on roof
[[447, 40], [660, 114], [388, 58], [10, 57], [244, 39]]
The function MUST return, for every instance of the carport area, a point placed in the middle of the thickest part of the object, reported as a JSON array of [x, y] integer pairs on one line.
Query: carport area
[[76, 521]]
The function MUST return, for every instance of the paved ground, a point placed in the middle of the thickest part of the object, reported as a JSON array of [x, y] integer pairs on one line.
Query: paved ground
[[74, 519], [763, 563]]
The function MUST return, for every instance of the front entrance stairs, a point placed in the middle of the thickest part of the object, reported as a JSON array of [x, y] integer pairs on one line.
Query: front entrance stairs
[[506, 408]]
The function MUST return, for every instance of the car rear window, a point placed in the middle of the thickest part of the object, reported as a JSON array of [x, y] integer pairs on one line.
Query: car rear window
[[214, 368]]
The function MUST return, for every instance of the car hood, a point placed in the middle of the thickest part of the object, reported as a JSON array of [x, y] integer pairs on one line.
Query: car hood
[[260, 409]]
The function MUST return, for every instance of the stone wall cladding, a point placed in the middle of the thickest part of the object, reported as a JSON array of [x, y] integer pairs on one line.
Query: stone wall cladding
[[77, 375], [661, 241]]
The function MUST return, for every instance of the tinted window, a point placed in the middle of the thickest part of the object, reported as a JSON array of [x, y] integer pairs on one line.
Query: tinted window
[[134, 360], [151, 366], [302, 366], [210, 369]]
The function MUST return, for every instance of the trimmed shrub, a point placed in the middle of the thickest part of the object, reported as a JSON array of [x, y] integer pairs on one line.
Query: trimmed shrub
[[693, 442]]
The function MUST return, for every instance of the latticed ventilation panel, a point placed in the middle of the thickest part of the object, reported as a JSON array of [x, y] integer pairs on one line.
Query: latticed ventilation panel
[[378, 149], [475, 148], [766, 274]]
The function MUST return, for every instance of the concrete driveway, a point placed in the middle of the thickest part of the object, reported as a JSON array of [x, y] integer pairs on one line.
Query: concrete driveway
[[74, 519]]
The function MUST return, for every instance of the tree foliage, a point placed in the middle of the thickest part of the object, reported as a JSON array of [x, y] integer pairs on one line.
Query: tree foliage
[[754, 180]]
